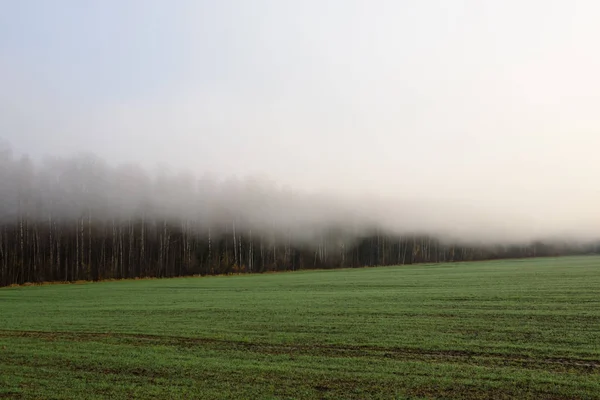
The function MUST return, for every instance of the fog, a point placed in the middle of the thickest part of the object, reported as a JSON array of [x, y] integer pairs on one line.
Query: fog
[[70, 188], [472, 121]]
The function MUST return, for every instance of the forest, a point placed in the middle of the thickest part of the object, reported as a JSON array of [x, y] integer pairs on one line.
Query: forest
[[77, 218]]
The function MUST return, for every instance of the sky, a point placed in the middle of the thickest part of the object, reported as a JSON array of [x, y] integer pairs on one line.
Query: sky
[[490, 104]]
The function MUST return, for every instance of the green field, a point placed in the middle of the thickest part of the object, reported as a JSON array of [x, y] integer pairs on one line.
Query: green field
[[488, 330]]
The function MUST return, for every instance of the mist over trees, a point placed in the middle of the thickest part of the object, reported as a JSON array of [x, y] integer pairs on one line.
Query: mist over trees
[[79, 218]]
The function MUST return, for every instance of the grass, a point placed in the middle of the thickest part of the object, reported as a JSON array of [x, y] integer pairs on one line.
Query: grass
[[489, 330]]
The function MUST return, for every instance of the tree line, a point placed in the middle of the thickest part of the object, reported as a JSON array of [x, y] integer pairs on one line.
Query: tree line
[[80, 219], [84, 249]]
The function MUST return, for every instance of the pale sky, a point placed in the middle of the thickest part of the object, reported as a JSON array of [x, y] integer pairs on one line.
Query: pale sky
[[494, 104]]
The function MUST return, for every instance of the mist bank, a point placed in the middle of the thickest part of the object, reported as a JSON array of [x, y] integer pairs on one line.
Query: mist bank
[[71, 218], [69, 188]]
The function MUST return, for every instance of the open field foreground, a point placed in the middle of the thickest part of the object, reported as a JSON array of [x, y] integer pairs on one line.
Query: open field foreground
[[488, 330]]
